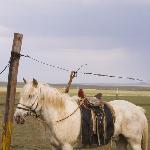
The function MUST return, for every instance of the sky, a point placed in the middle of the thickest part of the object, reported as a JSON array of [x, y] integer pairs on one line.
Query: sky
[[111, 37]]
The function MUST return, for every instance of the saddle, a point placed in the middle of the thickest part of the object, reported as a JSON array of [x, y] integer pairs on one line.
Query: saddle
[[97, 123]]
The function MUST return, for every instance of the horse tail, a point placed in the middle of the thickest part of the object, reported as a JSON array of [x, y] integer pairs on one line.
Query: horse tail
[[144, 143]]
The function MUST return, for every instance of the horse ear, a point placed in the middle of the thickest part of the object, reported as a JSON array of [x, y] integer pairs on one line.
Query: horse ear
[[24, 80], [35, 82]]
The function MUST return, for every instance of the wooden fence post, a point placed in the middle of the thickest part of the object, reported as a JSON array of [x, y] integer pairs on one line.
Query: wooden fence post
[[117, 94], [72, 75], [11, 91]]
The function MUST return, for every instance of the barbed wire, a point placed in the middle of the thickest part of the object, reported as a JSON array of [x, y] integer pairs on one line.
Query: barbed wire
[[44, 63], [85, 73], [77, 71], [5, 68], [113, 76], [81, 67]]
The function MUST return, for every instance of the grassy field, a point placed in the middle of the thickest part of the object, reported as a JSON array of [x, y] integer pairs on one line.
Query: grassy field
[[34, 136]]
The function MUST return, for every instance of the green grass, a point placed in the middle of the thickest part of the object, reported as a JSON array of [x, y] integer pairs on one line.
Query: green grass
[[137, 97], [34, 136], [91, 92]]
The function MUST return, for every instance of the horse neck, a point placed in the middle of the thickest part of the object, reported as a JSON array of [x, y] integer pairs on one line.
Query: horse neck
[[55, 105]]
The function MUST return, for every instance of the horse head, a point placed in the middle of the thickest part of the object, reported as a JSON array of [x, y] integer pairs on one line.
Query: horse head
[[30, 101]]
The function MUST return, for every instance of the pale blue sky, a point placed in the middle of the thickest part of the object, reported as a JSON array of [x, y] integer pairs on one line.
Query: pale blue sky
[[112, 37]]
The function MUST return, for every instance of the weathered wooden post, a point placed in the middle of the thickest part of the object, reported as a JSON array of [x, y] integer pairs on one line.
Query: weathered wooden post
[[117, 93], [72, 75], [11, 91]]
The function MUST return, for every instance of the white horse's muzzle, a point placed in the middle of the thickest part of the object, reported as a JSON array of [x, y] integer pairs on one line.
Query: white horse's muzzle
[[19, 119]]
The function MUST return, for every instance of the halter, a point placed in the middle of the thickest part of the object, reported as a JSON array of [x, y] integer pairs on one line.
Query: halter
[[29, 108]]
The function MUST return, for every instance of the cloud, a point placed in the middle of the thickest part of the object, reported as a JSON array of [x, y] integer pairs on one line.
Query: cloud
[[75, 18], [60, 43], [110, 36], [4, 30]]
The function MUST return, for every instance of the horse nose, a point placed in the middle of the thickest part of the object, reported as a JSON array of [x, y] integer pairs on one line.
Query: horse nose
[[19, 119], [22, 120]]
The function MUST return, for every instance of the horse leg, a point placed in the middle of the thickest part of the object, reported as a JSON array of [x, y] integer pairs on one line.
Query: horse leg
[[121, 143], [54, 140], [57, 144], [67, 146], [135, 145]]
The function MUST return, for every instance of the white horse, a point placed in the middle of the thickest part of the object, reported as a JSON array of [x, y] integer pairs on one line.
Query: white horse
[[62, 115]]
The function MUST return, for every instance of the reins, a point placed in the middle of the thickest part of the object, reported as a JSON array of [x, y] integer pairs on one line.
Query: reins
[[80, 104]]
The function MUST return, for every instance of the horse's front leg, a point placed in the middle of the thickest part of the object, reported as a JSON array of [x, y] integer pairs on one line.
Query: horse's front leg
[[56, 143], [59, 145], [67, 146]]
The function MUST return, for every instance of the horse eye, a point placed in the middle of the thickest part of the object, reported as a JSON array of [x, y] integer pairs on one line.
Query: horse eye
[[30, 96]]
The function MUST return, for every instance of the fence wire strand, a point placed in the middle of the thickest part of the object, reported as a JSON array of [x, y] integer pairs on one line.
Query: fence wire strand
[[67, 70], [5, 68], [85, 73], [112, 76], [44, 63]]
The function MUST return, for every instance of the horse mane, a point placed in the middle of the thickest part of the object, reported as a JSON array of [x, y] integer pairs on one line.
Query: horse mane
[[54, 97]]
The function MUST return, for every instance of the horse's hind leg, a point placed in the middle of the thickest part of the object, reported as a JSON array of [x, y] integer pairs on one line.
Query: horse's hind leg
[[135, 145], [121, 143], [135, 142]]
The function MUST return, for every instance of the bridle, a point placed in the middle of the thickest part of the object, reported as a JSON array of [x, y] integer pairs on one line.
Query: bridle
[[29, 108]]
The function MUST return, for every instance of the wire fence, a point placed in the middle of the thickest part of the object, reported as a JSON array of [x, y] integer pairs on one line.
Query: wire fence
[[77, 71], [3, 70]]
